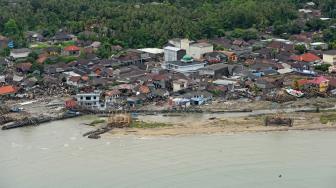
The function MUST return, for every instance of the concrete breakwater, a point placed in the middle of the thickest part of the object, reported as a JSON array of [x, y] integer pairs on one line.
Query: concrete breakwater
[[35, 121], [95, 134]]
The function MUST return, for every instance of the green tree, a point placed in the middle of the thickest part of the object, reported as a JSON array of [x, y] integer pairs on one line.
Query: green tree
[[104, 51], [33, 55], [301, 48], [315, 25], [5, 52], [11, 28], [323, 67], [36, 66]]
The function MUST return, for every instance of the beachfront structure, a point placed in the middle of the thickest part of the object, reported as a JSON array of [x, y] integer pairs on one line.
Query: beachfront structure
[[90, 101]]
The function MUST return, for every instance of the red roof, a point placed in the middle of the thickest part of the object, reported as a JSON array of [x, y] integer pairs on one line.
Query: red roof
[[158, 77], [71, 48], [4, 90], [144, 89], [307, 57], [113, 92], [316, 81]]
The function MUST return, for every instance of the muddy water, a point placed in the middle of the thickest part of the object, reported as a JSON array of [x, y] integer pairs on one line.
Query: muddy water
[[56, 155]]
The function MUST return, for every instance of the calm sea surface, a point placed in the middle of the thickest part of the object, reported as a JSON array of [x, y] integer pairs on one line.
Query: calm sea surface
[[56, 155]]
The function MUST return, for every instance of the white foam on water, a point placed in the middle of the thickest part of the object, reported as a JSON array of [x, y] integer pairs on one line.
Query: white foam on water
[[15, 145]]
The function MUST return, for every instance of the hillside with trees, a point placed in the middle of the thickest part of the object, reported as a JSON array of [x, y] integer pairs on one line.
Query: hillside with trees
[[146, 23]]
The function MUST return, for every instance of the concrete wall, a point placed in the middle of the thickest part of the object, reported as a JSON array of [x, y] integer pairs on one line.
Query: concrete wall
[[197, 52], [170, 55], [330, 59]]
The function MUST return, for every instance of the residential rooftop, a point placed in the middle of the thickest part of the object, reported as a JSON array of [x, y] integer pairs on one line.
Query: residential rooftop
[[330, 52]]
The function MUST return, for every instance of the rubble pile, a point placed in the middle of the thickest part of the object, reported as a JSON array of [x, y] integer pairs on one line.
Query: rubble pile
[[51, 90], [238, 95], [4, 109], [314, 92], [5, 119], [280, 97], [278, 121]]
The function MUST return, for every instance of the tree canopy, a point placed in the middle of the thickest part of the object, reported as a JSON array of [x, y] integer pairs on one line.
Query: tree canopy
[[140, 23]]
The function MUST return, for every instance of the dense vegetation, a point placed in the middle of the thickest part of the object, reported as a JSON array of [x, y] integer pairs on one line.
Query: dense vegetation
[[140, 23]]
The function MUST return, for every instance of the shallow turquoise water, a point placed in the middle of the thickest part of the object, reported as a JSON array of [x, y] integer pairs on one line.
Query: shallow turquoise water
[[56, 155]]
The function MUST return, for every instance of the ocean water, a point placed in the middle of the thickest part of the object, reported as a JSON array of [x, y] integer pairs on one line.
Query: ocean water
[[56, 155]]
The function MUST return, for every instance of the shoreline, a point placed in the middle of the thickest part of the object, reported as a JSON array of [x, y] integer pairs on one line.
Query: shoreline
[[157, 133], [303, 121], [215, 118], [212, 127]]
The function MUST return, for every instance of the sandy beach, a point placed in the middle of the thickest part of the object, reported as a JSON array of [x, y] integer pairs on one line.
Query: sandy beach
[[188, 126]]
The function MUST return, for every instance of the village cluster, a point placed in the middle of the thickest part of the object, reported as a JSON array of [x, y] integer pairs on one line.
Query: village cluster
[[182, 73]]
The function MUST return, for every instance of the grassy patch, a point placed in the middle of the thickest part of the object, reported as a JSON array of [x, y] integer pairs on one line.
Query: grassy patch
[[40, 45], [66, 59], [67, 43], [143, 125], [97, 121], [325, 118]]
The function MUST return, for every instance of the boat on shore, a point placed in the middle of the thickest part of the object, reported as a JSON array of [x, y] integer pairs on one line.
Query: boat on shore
[[295, 93]]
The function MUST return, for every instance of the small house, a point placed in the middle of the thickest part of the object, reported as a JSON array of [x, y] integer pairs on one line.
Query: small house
[[63, 37], [23, 67], [20, 53], [71, 51], [307, 57], [179, 85], [232, 56], [112, 97], [320, 82], [7, 91], [329, 57]]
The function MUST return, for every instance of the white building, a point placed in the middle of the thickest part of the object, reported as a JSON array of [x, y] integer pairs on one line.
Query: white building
[[329, 57], [317, 45], [90, 101], [179, 85], [197, 50], [185, 66], [173, 53], [20, 53], [193, 49], [181, 43]]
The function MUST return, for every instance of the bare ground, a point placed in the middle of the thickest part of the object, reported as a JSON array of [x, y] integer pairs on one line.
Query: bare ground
[[302, 121]]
